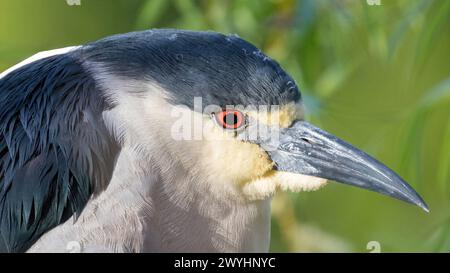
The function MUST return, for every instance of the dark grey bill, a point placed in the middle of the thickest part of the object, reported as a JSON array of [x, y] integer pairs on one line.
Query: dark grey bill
[[306, 149]]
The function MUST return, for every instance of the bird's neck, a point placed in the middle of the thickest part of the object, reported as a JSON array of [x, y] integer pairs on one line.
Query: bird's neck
[[144, 211]]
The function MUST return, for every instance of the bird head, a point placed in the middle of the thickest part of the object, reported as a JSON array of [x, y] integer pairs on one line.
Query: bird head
[[230, 116]]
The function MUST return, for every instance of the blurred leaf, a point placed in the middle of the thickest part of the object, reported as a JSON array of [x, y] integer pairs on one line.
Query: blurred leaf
[[150, 13], [444, 160], [415, 10], [440, 93], [431, 29], [331, 79], [411, 148], [191, 15], [305, 16]]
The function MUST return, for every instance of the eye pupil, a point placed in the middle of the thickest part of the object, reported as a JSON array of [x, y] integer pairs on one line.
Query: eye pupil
[[231, 119]]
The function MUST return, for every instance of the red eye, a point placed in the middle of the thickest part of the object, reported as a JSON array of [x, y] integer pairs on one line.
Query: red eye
[[230, 119]]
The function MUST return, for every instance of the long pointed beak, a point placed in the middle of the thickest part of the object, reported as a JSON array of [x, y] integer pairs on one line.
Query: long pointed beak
[[306, 149]]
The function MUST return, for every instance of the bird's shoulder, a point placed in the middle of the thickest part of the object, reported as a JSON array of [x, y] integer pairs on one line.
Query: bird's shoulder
[[55, 150]]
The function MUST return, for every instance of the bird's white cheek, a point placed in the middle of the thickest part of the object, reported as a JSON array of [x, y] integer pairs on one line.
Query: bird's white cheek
[[273, 181], [231, 160]]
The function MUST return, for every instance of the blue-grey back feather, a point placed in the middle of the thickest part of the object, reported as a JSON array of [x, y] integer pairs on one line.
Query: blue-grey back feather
[[55, 151]]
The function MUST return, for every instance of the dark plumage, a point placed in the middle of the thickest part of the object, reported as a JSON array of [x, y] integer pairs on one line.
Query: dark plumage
[[54, 148], [223, 70]]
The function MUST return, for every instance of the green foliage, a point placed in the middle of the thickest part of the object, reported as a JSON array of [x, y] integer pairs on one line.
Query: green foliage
[[377, 76]]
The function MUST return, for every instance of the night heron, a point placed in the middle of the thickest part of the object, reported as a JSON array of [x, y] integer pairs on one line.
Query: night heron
[[160, 141]]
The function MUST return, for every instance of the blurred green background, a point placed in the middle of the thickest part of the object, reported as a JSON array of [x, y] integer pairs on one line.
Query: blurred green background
[[378, 76]]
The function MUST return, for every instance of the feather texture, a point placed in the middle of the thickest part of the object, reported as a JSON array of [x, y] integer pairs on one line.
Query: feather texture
[[55, 151]]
